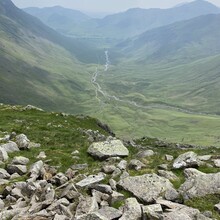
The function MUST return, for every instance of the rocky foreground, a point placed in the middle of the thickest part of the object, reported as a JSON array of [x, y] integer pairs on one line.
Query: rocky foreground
[[119, 180]]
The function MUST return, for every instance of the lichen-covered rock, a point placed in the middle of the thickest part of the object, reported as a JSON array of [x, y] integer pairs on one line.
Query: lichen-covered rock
[[110, 213], [112, 148], [188, 159], [199, 184], [149, 187], [19, 160], [20, 169], [131, 210], [10, 147], [3, 154], [4, 174], [92, 179], [22, 141]]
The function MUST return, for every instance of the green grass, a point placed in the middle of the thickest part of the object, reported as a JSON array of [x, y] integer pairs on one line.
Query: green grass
[[205, 204], [58, 135]]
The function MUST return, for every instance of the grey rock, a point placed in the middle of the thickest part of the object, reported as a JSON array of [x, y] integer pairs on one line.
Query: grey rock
[[92, 179], [131, 210], [59, 179], [3, 182], [122, 165], [34, 145], [169, 157], [176, 211], [167, 174], [103, 150], [198, 184], [19, 160], [154, 212], [2, 204], [76, 152], [217, 163], [22, 141], [3, 154], [36, 170], [145, 153], [163, 166], [70, 173], [86, 206], [20, 169], [4, 174], [116, 197], [55, 205], [102, 188], [14, 176], [149, 187], [60, 217], [217, 208], [42, 155], [188, 159], [70, 192], [125, 174], [205, 157], [136, 165], [10, 147], [113, 184], [99, 196], [31, 107], [93, 216], [108, 169], [116, 173], [110, 213], [9, 214]]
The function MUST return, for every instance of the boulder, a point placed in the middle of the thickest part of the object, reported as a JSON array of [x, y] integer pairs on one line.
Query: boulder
[[217, 208], [86, 206], [20, 169], [188, 159], [108, 169], [92, 179], [22, 141], [110, 213], [136, 165], [10, 147], [176, 211], [199, 184], [59, 179], [167, 174], [168, 157], [102, 188], [145, 153], [20, 160], [217, 163], [42, 155], [3, 154], [36, 170], [131, 210], [116, 197], [122, 165], [147, 188], [106, 149], [154, 212], [4, 174]]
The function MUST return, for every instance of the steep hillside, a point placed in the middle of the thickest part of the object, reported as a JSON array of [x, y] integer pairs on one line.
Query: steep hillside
[[38, 65], [60, 19], [181, 41], [122, 25]]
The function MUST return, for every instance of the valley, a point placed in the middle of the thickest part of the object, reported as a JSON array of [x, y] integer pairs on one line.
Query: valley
[[162, 81]]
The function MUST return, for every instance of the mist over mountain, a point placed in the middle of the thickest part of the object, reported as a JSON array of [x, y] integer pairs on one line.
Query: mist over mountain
[[122, 25], [186, 40]]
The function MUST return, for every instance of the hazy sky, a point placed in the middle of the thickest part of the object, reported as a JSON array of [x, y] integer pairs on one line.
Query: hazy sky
[[103, 5]]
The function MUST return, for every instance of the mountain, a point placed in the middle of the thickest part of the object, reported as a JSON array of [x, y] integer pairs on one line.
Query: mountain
[[130, 23], [57, 17], [38, 65], [183, 41]]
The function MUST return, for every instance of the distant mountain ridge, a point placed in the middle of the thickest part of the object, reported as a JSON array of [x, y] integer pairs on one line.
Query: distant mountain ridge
[[125, 24]]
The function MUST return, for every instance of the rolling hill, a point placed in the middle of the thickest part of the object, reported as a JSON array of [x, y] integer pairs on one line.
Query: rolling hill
[[122, 25]]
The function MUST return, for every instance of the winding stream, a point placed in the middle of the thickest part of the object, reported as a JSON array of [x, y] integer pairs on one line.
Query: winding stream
[[98, 89]]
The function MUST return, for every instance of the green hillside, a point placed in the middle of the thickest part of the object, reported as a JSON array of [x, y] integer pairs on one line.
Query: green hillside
[[35, 68]]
